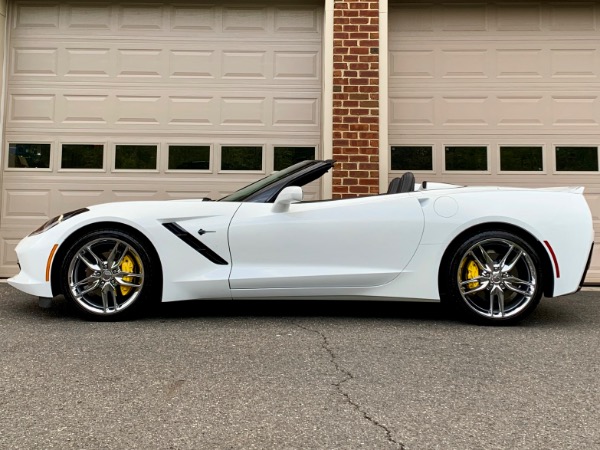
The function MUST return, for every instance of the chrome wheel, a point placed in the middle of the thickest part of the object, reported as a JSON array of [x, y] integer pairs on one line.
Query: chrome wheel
[[497, 278], [105, 275]]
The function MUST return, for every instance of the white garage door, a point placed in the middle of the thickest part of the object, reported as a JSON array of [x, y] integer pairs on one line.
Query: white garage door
[[504, 93], [108, 101]]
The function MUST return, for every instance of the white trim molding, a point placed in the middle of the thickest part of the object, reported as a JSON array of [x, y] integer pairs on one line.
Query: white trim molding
[[384, 151], [327, 97]]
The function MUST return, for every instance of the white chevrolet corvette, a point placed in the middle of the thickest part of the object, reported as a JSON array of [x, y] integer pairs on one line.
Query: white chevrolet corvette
[[491, 252]]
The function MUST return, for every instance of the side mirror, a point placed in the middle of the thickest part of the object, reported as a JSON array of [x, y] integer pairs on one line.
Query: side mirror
[[291, 194]]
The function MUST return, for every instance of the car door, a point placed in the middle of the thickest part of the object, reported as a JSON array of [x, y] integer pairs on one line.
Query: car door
[[357, 242]]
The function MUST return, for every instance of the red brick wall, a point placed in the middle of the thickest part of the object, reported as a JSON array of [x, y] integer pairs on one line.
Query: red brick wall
[[356, 98]]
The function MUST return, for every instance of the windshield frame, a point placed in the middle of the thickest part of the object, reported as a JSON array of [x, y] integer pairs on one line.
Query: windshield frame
[[281, 178]]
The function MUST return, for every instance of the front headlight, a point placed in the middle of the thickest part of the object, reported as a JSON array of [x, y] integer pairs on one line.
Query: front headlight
[[56, 220]]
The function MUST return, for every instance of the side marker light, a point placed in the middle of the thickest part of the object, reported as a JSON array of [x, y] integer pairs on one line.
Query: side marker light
[[551, 250], [49, 263]]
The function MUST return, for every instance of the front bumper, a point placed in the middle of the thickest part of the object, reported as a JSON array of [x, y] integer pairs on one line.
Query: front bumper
[[33, 253], [29, 285]]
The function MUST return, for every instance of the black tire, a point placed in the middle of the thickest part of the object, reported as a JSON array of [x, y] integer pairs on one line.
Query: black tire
[[108, 274], [494, 278]]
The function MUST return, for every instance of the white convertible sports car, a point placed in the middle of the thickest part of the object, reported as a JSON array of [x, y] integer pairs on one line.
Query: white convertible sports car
[[491, 252]]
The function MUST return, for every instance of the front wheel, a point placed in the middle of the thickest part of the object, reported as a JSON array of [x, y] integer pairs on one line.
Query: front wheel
[[107, 273], [495, 277]]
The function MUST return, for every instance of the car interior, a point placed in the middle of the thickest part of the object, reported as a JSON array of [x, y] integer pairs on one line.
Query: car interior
[[405, 183]]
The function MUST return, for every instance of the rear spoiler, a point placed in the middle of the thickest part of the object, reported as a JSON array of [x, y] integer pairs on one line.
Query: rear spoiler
[[570, 189]]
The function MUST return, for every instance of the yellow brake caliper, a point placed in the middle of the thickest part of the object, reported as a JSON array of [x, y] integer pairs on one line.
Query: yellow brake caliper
[[127, 266], [472, 272]]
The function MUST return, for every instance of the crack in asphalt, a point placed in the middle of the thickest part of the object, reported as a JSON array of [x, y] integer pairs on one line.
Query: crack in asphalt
[[347, 375]]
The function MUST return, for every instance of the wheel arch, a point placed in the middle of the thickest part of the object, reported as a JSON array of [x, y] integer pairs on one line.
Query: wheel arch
[[66, 245], [547, 267]]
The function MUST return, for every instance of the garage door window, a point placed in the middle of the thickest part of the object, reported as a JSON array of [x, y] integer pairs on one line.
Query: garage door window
[[466, 158], [135, 157], [576, 159], [249, 158], [412, 158], [288, 156], [521, 159], [82, 156], [29, 156], [189, 157]]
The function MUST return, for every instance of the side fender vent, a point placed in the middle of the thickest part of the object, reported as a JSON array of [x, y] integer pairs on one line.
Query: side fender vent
[[195, 243]]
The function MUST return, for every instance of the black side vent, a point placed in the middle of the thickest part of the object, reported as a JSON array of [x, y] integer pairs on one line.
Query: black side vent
[[194, 243]]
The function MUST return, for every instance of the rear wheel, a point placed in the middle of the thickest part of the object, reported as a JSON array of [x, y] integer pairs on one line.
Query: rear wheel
[[107, 273], [495, 277]]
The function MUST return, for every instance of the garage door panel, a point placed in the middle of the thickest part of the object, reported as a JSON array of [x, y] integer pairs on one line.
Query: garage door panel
[[593, 197], [9, 239], [23, 203], [72, 199], [520, 63], [572, 16], [191, 111], [295, 112], [412, 63], [464, 63], [485, 62], [482, 19], [297, 19], [86, 17], [194, 18], [465, 110], [574, 63], [498, 75], [31, 108], [182, 194], [140, 63], [84, 109], [150, 18], [521, 110], [139, 109], [243, 111], [412, 110], [34, 62], [141, 17], [116, 91], [85, 63], [463, 17], [25, 207], [296, 64], [519, 17], [594, 270], [192, 64], [527, 112], [575, 110], [35, 16], [276, 109]]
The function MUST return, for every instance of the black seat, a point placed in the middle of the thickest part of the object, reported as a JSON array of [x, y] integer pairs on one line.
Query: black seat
[[394, 185], [405, 183]]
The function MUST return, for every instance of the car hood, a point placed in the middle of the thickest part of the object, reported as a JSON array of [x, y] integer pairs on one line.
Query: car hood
[[161, 208]]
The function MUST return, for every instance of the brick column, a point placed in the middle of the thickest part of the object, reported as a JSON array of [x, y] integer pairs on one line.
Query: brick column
[[356, 97]]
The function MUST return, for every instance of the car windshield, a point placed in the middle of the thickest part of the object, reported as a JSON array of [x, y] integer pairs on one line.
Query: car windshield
[[247, 191]]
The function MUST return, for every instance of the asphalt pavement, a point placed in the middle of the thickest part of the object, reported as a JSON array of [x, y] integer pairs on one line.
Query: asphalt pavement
[[298, 375]]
